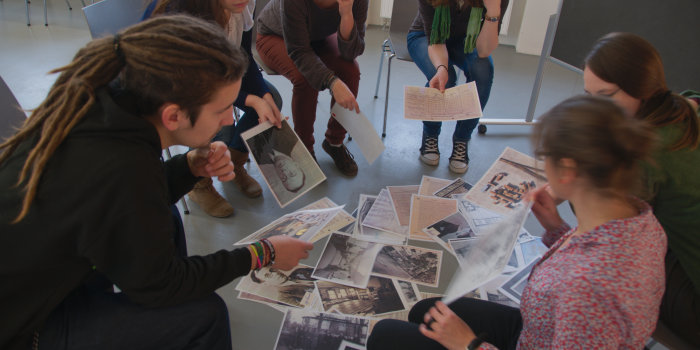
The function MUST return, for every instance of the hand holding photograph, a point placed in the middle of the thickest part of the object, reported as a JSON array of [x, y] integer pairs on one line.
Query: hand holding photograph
[[286, 165], [504, 186]]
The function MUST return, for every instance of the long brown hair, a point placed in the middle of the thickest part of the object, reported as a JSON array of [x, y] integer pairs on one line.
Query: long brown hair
[[177, 59], [606, 144], [633, 64], [210, 10]]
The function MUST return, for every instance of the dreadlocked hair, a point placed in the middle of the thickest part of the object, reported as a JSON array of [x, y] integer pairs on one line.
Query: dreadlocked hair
[[177, 59]]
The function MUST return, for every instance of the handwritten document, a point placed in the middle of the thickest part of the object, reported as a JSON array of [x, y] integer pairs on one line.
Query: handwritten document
[[456, 103]]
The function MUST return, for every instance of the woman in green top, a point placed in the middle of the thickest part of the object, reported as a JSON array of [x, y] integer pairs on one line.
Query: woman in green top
[[628, 69]]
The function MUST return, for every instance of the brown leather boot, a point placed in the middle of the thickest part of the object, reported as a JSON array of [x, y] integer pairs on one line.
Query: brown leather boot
[[211, 201], [245, 182]]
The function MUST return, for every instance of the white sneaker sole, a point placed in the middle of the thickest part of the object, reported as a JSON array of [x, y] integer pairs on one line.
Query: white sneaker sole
[[429, 161], [458, 170]]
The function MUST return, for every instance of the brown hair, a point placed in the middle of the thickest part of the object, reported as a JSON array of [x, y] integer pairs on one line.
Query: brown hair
[[605, 143], [633, 64], [210, 10], [177, 59]]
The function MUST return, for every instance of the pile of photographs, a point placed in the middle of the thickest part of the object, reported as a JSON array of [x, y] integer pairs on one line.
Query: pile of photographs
[[368, 269]]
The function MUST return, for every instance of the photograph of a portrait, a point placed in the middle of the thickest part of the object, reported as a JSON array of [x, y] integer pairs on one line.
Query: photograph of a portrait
[[381, 296], [409, 263], [294, 287], [347, 260], [286, 165], [303, 329], [504, 186]]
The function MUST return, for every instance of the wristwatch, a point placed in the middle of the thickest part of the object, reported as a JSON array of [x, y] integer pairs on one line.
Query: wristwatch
[[492, 19]]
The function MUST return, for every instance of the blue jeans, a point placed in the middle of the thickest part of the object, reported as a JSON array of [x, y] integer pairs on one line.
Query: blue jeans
[[477, 69], [94, 317], [231, 134]]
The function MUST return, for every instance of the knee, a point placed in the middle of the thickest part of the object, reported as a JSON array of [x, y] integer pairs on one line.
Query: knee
[[381, 335], [419, 310], [212, 310]]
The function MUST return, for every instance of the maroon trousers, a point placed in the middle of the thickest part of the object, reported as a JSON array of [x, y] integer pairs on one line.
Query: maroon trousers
[[273, 52]]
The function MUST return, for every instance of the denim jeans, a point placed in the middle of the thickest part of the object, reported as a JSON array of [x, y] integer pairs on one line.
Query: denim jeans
[[231, 134], [94, 317], [479, 70]]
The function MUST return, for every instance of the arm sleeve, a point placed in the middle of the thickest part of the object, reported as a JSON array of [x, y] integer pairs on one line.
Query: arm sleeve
[[551, 236], [179, 177], [355, 45], [296, 38], [426, 12], [131, 242], [252, 82]]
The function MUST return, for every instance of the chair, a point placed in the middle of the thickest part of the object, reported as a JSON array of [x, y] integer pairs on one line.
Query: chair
[[11, 114], [46, 19], [402, 15], [107, 17]]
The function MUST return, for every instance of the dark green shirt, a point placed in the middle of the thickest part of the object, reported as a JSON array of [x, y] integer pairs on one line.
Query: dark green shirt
[[674, 183]]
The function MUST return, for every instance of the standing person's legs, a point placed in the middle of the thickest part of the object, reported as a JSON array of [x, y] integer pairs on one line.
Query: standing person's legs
[[349, 73], [273, 52], [90, 319], [477, 69], [417, 43], [500, 325]]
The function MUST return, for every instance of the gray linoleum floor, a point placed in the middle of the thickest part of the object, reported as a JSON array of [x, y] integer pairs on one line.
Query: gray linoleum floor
[[28, 53]]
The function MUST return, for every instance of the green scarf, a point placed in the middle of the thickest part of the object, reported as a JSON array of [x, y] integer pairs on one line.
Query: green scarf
[[441, 27]]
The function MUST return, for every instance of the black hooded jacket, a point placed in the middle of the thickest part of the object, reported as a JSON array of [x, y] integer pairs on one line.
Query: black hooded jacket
[[103, 202]]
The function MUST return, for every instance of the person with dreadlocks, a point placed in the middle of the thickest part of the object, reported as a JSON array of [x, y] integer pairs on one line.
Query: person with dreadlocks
[[85, 198], [259, 99], [448, 33]]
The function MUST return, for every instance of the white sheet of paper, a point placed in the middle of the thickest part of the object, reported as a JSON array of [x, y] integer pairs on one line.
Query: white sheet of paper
[[456, 103], [489, 256], [361, 130]]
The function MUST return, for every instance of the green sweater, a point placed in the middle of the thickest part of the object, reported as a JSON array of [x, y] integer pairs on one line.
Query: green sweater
[[674, 182]]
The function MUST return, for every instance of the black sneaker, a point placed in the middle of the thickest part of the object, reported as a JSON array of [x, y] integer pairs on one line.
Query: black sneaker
[[344, 160], [459, 160], [429, 152]]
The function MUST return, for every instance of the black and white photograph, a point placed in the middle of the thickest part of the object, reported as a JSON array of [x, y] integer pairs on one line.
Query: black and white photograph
[[346, 345], [456, 187], [286, 165], [382, 216], [306, 330], [381, 296], [454, 226], [461, 247], [301, 224], [477, 217], [513, 287], [409, 263], [265, 301], [373, 234], [293, 288], [409, 292], [347, 260]]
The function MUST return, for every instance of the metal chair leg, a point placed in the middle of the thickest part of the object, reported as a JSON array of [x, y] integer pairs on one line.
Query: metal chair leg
[[386, 97], [46, 18], [26, 4], [70, 8], [381, 63]]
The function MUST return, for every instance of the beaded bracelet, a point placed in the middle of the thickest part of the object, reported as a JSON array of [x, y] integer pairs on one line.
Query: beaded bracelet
[[272, 250]]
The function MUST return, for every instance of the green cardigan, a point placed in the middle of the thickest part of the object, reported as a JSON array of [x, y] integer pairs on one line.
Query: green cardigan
[[674, 183]]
